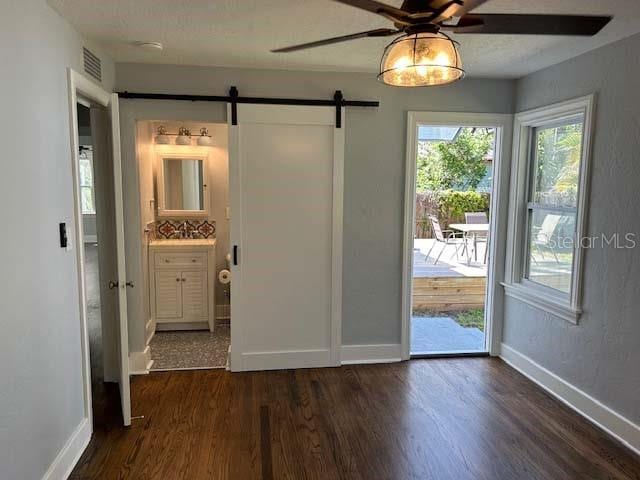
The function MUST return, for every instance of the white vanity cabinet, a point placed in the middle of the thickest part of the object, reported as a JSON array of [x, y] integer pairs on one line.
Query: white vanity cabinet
[[182, 282]]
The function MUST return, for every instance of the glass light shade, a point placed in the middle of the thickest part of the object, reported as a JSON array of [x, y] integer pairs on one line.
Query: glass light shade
[[205, 140], [162, 138], [419, 60], [184, 136]]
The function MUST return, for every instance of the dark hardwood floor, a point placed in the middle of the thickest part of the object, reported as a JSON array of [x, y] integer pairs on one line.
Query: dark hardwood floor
[[473, 418]]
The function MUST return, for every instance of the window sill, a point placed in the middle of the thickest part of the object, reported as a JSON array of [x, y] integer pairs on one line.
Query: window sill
[[542, 301]]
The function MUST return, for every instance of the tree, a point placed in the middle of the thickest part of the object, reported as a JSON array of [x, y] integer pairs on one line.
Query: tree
[[558, 164], [458, 165]]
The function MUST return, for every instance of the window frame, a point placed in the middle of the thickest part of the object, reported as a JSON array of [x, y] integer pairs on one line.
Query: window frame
[[516, 285], [91, 187]]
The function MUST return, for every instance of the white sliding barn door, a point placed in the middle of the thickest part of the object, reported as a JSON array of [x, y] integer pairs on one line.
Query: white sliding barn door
[[286, 183]]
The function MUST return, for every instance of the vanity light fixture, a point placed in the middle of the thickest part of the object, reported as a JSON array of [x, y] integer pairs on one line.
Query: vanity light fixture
[[184, 136], [205, 140]]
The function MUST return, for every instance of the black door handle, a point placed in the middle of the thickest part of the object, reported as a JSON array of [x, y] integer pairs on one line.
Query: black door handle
[[235, 255]]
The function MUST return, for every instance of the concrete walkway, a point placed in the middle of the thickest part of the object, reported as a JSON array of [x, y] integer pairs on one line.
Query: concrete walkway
[[443, 334]]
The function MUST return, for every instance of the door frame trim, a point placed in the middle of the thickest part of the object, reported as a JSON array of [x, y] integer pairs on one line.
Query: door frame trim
[[238, 356], [494, 300], [80, 87]]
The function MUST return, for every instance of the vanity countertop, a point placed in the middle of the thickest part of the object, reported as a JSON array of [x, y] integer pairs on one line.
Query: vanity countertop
[[183, 242]]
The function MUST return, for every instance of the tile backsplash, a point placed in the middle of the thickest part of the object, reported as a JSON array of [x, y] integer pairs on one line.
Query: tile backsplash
[[173, 229]]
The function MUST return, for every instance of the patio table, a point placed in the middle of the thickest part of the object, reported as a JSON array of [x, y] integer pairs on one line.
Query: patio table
[[473, 230]]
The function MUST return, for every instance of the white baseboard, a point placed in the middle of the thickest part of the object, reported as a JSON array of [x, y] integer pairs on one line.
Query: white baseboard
[[140, 362], [64, 462], [150, 330], [384, 353], [179, 326], [593, 410], [285, 359]]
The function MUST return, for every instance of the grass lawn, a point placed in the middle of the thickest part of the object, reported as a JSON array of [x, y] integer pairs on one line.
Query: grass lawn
[[470, 318]]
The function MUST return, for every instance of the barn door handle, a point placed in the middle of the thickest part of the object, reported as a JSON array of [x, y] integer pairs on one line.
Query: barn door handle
[[235, 255]]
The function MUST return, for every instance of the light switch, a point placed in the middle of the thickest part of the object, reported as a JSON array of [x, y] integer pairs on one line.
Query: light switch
[[228, 212], [64, 239]]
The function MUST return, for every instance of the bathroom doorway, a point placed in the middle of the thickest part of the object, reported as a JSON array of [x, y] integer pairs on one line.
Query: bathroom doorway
[[183, 185]]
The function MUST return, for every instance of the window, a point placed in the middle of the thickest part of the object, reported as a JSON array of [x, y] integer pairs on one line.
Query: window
[[548, 206], [87, 196]]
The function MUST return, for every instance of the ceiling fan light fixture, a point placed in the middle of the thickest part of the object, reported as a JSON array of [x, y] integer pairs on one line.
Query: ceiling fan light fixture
[[420, 60]]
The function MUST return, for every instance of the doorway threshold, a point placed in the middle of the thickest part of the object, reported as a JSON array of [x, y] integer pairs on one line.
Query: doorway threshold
[[418, 356]]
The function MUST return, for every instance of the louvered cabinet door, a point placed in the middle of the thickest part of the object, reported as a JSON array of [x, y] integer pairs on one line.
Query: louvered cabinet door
[[168, 295], [194, 295]]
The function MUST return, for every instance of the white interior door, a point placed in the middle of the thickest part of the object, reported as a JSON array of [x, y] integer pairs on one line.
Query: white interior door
[[286, 187], [122, 335], [105, 229]]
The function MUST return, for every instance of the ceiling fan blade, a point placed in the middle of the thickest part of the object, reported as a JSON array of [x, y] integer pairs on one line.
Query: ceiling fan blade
[[379, 32], [582, 25], [374, 7], [467, 6], [439, 10]]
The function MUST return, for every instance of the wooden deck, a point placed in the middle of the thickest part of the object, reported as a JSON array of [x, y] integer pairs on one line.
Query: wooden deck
[[446, 294], [452, 284]]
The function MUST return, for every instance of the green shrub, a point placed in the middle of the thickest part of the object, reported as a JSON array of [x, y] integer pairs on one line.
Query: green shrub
[[452, 205]]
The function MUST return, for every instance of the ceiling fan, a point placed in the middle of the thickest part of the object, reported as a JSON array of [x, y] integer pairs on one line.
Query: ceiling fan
[[423, 55]]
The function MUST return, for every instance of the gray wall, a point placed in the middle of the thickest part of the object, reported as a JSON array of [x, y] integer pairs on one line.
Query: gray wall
[[41, 398], [374, 163], [601, 355]]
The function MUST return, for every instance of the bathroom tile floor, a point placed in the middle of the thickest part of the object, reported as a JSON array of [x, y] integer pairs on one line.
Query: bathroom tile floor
[[186, 350]]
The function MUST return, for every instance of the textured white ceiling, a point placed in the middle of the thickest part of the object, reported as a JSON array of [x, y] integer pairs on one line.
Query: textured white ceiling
[[240, 33]]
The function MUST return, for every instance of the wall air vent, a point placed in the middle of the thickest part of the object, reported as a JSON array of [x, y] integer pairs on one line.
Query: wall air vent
[[92, 64]]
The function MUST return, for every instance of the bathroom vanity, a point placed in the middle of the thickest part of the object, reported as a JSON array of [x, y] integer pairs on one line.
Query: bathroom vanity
[[182, 283]]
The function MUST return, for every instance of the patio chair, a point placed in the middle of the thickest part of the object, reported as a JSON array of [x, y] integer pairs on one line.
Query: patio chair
[[478, 217], [542, 236], [446, 238]]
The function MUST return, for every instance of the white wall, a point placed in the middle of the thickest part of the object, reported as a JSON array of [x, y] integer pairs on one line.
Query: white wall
[[374, 162], [600, 355], [41, 397]]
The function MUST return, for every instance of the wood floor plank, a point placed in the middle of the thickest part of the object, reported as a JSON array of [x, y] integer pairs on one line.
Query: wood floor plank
[[472, 418]]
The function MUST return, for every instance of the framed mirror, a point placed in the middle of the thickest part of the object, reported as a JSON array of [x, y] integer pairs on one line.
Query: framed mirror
[[182, 186]]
